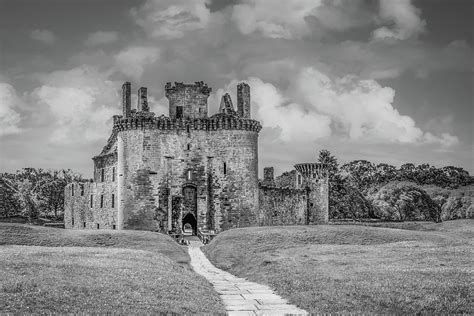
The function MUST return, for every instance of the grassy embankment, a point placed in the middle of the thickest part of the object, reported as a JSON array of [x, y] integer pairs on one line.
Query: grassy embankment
[[416, 267], [48, 270]]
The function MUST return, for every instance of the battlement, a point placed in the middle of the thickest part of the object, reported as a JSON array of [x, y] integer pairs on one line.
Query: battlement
[[310, 169], [198, 86], [214, 123]]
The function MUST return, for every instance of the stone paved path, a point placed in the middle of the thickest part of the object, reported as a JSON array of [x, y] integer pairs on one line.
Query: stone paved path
[[240, 297]]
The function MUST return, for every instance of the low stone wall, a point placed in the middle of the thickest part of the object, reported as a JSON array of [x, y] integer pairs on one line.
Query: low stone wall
[[282, 206]]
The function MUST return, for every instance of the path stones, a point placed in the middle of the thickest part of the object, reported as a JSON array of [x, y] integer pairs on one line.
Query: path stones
[[240, 297]]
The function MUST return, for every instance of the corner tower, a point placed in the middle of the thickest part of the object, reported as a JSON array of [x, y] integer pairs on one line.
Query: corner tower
[[313, 177]]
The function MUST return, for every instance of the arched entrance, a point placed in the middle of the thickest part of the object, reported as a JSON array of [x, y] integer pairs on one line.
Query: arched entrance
[[189, 209], [189, 225]]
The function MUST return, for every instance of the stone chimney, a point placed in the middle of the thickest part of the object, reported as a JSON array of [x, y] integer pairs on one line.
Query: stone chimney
[[142, 100], [126, 99], [243, 100], [226, 106], [268, 176]]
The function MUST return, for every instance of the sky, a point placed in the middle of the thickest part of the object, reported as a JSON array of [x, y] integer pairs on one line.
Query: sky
[[389, 81]]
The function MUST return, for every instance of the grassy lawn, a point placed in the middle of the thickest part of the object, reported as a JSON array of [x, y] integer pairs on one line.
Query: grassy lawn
[[360, 269], [48, 270]]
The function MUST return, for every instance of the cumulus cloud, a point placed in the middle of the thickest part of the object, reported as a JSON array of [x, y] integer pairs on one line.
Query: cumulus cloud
[[100, 38], [404, 18], [9, 118], [81, 102], [131, 61], [44, 36], [171, 18], [285, 20], [318, 107], [363, 109]]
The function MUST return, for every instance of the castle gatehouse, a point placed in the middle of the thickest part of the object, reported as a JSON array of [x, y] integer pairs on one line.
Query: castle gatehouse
[[191, 170]]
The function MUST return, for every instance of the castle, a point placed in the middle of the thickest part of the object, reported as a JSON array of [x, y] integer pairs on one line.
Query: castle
[[189, 169]]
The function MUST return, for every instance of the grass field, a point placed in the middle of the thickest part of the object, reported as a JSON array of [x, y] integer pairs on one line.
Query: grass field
[[48, 270], [414, 268]]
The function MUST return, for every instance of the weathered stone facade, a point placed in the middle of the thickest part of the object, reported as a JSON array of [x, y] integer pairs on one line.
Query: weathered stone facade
[[160, 173]]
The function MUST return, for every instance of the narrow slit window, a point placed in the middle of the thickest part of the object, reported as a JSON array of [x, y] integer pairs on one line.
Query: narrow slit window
[[84, 224], [82, 189], [187, 129], [102, 201], [72, 189], [113, 226], [92, 200], [189, 146], [113, 200], [299, 179], [189, 175], [98, 226], [225, 168], [113, 174], [72, 221], [102, 175]]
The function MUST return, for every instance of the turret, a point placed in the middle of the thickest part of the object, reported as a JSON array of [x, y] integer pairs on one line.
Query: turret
[[243, 100], [314, 178], [126, 99], [187, 101]]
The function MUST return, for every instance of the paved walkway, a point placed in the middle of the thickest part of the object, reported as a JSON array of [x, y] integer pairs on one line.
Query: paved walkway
[[240, 296]]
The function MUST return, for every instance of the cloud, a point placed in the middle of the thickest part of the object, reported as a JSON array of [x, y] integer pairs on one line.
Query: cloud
[[100, 38], [285, 20], [403, 17], [44, 36], [9, 118], [171, 18], [362, 109], [131, 61], [81, 102]]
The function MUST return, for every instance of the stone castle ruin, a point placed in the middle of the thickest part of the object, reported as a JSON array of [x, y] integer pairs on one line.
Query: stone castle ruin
[[191, 169]]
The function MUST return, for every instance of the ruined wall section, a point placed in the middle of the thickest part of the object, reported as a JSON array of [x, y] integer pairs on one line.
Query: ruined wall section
[[282, 206], [89, 205]]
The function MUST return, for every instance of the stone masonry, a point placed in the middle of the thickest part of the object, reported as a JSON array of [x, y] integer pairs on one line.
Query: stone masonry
[[161, 173]]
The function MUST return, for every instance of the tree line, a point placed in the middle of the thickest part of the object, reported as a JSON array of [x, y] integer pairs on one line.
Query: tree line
[[35, 193], [352, 184]]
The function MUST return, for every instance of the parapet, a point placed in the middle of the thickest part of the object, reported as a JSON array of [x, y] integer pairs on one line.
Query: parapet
[[311, 169]]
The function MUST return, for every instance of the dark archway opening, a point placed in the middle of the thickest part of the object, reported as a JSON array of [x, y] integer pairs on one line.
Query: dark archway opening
[[189, 224]]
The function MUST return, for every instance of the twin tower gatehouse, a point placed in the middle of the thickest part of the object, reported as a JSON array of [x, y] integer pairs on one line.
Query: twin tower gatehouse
[[190, 169]]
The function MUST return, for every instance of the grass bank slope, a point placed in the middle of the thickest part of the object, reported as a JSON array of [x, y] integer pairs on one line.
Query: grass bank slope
[[48, 270], [358, 269]]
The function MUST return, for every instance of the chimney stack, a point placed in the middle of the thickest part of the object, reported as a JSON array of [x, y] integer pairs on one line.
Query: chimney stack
[[268, 176], [243, 100], [126, 99], [142, 100]]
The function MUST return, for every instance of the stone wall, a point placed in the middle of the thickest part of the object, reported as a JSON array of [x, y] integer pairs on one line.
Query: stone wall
[[83, 210], [282, 206]]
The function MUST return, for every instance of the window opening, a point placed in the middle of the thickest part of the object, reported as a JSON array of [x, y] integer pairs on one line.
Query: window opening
[[189, 175], [102, 175], [113, 174], [113, 226], [113, 200], [72, 221], [225, 168], [84, 224], [101, 201], [189, 146], [92, 200], [98, 226], [72, 189], [82, 190]]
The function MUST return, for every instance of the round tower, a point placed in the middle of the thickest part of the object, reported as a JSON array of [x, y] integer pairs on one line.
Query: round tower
[[314, 178]]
